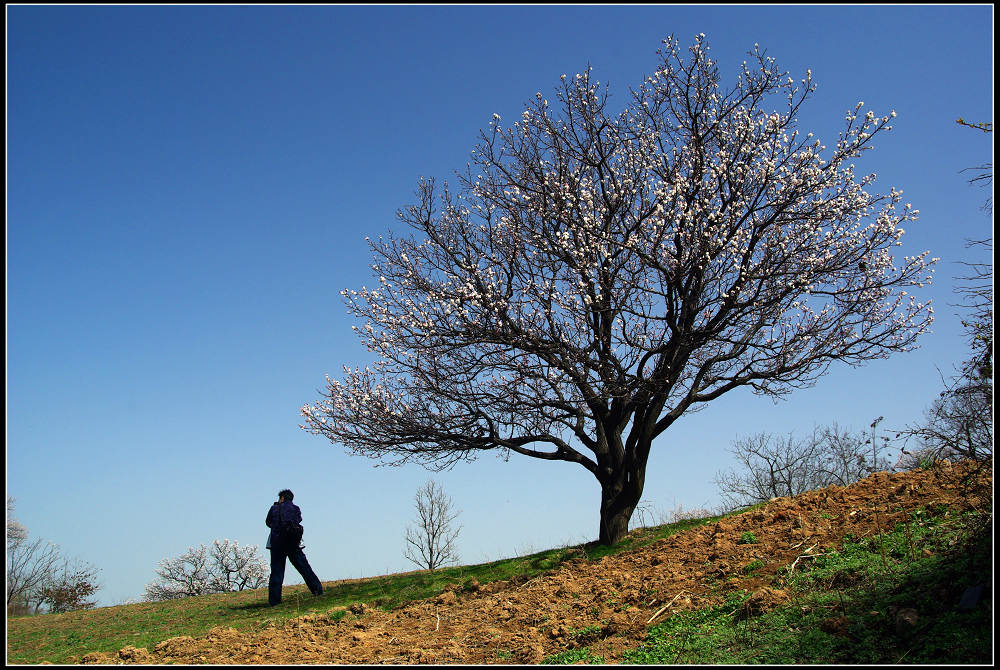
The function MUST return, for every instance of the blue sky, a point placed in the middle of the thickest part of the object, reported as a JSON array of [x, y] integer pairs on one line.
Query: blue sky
[[189, 189]]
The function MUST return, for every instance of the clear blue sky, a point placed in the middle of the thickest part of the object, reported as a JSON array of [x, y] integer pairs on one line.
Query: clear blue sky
[[189, 189]]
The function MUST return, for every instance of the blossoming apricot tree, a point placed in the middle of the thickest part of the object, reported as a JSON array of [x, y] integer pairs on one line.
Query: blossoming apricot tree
[[599, 274]]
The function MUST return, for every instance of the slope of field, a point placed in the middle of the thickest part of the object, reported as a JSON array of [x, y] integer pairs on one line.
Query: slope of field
[[604, 606]]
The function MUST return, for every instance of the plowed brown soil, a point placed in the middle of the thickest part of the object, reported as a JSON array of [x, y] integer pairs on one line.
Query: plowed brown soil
[[612, 600]]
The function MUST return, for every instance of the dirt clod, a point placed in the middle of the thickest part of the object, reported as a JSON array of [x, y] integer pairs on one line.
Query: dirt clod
[[446, 598], [836, 625], [761, 601], [134, 655], [906, 620]]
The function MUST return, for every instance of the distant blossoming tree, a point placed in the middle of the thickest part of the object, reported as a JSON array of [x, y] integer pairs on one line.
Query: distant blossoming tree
[[597, 275], [223, 567]]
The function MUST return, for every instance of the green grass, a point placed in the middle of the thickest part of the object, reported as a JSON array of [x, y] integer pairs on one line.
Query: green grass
[[573, 656], [65, 638], [844, 606]]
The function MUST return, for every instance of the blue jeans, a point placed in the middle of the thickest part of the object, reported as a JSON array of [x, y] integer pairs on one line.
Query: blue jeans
[[298, 560]]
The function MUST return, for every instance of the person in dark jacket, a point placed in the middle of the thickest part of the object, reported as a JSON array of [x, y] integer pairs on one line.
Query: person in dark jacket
[[285, 511]]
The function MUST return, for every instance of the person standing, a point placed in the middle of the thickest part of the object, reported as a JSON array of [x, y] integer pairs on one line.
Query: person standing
[[287, 545]]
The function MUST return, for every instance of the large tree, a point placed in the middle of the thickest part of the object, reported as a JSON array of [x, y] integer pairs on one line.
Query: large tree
[[598, 274]]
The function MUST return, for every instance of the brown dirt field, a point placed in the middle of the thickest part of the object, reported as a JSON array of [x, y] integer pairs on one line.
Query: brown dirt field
[[614, 598]]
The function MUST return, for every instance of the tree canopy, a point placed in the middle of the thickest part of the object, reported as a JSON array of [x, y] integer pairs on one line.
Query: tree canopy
[[597, 274]]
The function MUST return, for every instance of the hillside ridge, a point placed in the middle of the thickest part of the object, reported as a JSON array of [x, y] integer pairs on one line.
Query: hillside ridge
[[605, 604]]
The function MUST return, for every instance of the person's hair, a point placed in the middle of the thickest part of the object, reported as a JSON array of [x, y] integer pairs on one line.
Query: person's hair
[[286, 494]]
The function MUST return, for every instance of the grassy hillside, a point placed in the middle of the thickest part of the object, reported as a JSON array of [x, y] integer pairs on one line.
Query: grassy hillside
[[892, 569], [877, 600], [65, 638]]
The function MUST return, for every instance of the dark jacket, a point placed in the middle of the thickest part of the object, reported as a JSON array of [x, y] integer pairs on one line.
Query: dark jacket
[[281, 512]]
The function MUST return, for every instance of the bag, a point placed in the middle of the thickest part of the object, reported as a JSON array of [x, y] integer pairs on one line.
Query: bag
[[290, 534]]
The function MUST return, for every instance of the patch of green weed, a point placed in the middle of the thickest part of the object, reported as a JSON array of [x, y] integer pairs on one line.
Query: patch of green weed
[[587, 630], [847, 604], [572, 656]]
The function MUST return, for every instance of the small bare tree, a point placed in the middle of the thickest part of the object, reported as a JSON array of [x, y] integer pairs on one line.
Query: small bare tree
[[431, 543], [959, 423], [30, 566], [957, 426], [786, 466], [200, 571]]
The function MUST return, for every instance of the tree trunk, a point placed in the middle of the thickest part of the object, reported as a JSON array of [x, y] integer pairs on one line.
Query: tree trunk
[[617, 505]]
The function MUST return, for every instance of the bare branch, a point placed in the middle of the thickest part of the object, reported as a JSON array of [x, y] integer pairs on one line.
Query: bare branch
[[773, 466]]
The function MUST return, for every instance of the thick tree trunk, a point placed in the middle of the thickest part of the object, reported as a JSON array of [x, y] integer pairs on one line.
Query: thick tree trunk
[[622, 474], [617, 505]]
